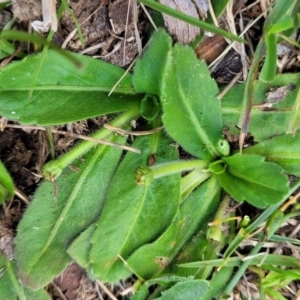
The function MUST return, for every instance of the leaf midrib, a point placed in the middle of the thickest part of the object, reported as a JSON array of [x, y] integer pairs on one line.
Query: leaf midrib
[[131, 229], [251, 180], [83, 88], [69, 202], [201, 132]]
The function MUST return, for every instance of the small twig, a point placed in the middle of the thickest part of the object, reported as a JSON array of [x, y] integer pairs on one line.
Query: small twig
[[98, 291], [229, 86], [59, 291], [7, 60], [106, 290], [73, 32], [21, 195], [148, 16], [78, 136], [233, 43], [128, 132], [126, 72]]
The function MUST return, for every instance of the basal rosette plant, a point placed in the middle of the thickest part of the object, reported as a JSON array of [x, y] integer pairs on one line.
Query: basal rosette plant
[[122, 214]]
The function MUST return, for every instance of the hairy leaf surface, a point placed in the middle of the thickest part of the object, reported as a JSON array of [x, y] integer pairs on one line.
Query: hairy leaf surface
[[192, 114], [251, 178], [63, 92], [81, 246], [151, 259], [11, 287], [149, 69], [283, 150], [192, 290], [47, 227], [134, 214]]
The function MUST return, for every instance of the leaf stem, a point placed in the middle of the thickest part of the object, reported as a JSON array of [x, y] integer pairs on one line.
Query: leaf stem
[[176, 167], [191, 181], [244, 120], [54, 168]]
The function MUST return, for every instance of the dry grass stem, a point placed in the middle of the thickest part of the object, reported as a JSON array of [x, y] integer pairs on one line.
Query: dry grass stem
[[77, 136]]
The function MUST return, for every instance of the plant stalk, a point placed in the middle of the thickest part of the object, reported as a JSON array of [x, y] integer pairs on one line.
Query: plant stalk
[[54, 168]]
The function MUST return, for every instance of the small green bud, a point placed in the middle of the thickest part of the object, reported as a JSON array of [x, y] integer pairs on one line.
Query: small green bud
[[144, 176], [52, 170], [223, 147]]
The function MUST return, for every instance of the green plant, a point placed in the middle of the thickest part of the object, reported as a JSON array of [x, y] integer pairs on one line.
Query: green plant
[[284, 17], [6, 184], [119, 215]]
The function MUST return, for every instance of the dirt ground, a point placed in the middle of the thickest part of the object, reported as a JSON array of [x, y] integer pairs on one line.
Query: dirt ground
[[105, 25]]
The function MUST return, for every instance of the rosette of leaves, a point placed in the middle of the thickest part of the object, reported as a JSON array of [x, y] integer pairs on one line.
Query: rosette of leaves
[[114, 223]]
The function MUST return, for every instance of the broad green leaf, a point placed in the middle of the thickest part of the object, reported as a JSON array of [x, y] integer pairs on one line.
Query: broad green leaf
[[63, 92], [283, 150], [294, 122], [149, 69], [6, 184], [267, 119], [134, 214], [192, 114], [151, 259], [251, 178], [192, 290], [49, 227], [10, 285], [143, 290], [81, 246]]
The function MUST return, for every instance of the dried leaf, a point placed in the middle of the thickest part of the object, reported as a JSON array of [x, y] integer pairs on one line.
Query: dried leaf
[[183, 32]]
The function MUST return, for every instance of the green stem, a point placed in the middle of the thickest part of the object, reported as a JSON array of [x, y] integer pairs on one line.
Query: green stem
[[189, 182], [54, 168], [244, 120], [176, 167], [241, 271], [15, 282]]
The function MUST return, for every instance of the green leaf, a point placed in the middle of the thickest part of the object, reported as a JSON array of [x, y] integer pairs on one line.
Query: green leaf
[[49, 227], [294, 122], [192, 114], [267, 118], [81, 246], [63, 92], [6, 184], [134, 214], [152, 258], [150, 107], [218, 282], [283, 150], [143, 290], [10, 286], [251, 178], [192, 290], [149, 69]]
